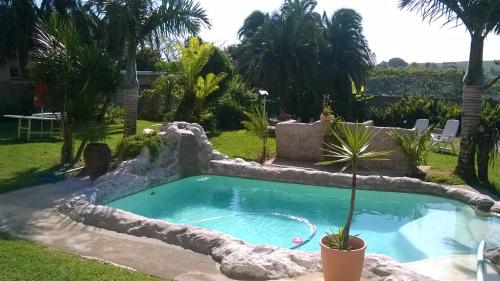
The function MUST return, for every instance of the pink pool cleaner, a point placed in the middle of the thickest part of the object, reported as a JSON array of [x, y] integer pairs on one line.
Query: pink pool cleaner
[[297, 240]]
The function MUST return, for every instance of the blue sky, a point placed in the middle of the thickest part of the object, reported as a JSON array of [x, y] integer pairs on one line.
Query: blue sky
[[390, 31]]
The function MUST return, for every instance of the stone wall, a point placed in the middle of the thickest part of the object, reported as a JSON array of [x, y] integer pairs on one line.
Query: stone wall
[[304, 142], [299, 141], [383, 141]]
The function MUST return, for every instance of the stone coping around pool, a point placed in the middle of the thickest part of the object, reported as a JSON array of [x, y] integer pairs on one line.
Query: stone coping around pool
[[237, 259], [253, 170], [188, 152]]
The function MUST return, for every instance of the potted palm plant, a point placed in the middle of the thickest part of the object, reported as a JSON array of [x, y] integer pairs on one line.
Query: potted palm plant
[[342, 254], [327, 111]]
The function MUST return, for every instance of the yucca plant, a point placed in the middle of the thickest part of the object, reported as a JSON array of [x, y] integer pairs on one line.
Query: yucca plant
[[415, 147], [336, 241], [353, 151], [257, 125]]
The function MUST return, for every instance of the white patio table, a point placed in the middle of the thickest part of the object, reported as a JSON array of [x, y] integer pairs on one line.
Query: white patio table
[[38, 116]]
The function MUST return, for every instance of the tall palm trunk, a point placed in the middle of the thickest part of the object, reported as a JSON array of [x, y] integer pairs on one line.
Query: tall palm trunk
[[130, 91], [471, 104]]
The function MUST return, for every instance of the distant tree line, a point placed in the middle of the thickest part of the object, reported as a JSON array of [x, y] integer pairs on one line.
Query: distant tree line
[[415, 81], [396, 77]]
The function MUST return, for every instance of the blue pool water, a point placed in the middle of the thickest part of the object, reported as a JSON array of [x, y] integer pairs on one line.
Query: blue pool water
[[405, 226]]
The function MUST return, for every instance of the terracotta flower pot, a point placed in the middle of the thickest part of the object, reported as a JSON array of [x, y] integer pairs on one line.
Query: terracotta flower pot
[[97, 157], [343, 265]]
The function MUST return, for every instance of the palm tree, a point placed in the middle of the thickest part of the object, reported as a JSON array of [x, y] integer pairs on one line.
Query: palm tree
[[279, 51], [252, 23], [350, 57], [300, 57], [131, 22], [480, 18]]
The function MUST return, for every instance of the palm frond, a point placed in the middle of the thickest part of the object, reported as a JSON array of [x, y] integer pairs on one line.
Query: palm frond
[[256, 123], [176, 18], [479, 17], [414, 146], [353, 147]]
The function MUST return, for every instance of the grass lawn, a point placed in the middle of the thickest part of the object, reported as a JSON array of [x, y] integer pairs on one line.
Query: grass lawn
[[25, 260], [443, 166], [240, 144], [22, 161]]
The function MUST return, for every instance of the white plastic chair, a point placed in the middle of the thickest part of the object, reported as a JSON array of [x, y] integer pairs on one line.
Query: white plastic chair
[[421, 125], [446, 137]]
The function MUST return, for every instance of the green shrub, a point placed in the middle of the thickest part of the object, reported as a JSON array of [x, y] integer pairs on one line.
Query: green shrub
[[114, 115], [207, 120], [229, 115], [131, 147], [230, 110], [257, 125], [415, 147], [160, 102], [405, 112]]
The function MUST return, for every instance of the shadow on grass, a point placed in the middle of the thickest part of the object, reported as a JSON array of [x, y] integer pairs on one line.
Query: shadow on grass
[[114, 131], [24, 141], [483, 187], [23, 179], [5, 236]]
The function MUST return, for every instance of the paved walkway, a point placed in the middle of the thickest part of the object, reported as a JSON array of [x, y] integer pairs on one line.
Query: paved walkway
[[30, 213]]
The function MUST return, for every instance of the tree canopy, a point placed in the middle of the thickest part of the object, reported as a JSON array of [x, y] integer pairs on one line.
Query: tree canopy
[[299, 56]]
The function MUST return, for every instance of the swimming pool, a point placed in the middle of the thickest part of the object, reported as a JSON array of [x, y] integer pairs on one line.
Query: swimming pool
[[407, 227]]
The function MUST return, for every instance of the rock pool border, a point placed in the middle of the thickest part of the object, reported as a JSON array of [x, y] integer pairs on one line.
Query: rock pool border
[[187, 152], [253, 170]]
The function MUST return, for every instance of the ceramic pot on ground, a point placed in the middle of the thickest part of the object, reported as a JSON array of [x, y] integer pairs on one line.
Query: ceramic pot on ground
[[97, 157], [343, 265]]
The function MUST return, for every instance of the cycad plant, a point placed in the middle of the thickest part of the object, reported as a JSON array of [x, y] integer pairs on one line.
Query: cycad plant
[[354, 152], [257, 125], [197, 87], [415, 147]]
